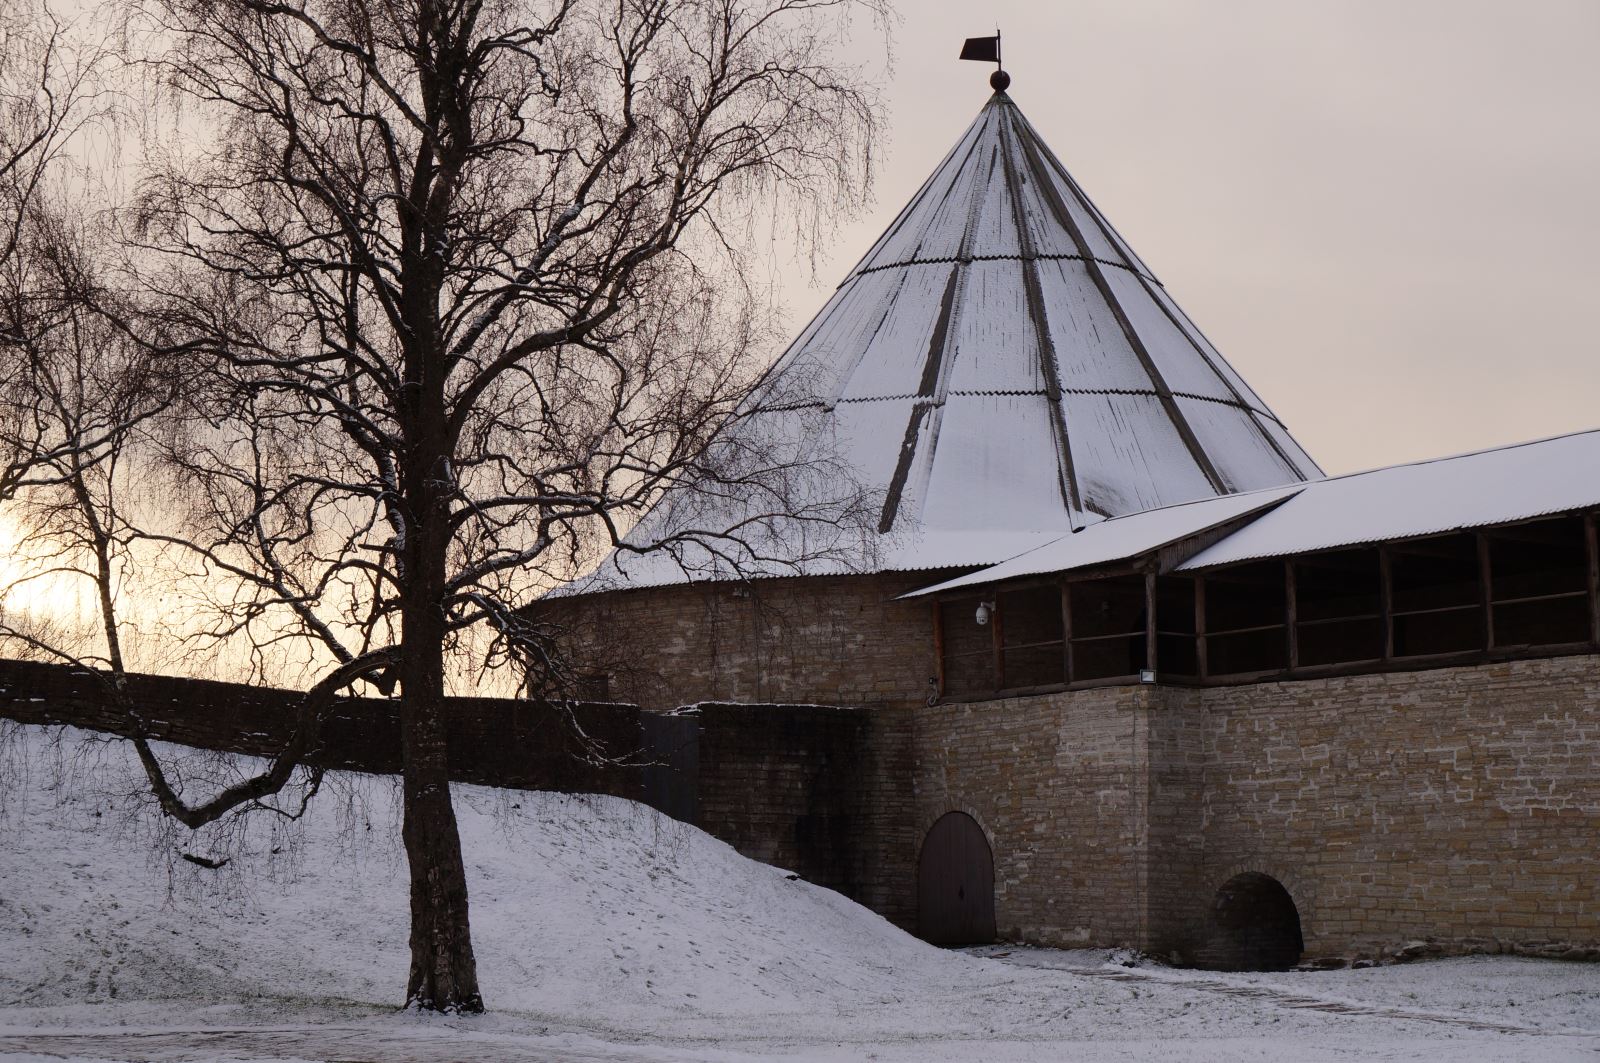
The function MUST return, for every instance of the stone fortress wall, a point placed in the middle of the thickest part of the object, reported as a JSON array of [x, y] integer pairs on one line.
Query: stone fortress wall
[[1449, 810], [1446, 810]]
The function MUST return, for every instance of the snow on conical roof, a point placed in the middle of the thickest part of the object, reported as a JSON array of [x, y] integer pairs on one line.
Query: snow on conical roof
[[1001, 368]]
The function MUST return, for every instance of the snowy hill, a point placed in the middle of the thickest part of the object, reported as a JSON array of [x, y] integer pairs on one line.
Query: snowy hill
[[575, 900]]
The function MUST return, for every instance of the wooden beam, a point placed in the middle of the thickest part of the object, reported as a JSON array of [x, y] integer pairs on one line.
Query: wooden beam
[[938, 646], [1200, 626], [1592, 534], [1150, 619], [1451, 546], [1291, 610], [1539, 533], [1486, 586], [1386, 599], [1351, 560], [997, 629], [1066, 633]]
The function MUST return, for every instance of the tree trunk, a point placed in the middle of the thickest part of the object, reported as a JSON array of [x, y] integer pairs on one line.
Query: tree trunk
[[444, 973]]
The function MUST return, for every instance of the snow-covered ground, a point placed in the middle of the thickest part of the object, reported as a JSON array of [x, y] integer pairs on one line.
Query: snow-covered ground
[[606, 932]]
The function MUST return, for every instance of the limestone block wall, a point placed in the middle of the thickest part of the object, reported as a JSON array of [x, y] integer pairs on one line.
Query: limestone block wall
[[839, 640], [1057, 782], [1458, 805]]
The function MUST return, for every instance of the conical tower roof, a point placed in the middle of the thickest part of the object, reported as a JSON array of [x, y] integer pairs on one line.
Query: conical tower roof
[[1041, 375], [1001, 369]]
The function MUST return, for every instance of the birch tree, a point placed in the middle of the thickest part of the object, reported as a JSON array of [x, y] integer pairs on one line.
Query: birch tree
[[465, 288]]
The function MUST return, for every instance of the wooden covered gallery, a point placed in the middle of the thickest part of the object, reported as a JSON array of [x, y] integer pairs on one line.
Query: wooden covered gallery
[[1481, 557], [1130, 669]]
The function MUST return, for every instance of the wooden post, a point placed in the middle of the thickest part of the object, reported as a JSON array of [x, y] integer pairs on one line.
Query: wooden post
[[1150, 620], [1485, 590], [938, 645], [1066, 632], [1592, 533], [1386, 595], [1200, 627], [997, 627], [1291, 612]]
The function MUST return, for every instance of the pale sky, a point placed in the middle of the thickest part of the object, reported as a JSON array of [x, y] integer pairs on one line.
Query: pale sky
[[1383, 212]]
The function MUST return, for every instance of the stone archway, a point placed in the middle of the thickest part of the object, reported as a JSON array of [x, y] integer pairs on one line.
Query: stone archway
[[1254, 926], [955, 883]]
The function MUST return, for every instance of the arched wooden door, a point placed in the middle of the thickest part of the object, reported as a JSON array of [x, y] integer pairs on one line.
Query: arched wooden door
[[955, 883]]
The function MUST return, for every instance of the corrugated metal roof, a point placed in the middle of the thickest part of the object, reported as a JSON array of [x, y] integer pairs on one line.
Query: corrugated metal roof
[[1121, 538], [1000, 361], [1499, 486], [1504, 485]]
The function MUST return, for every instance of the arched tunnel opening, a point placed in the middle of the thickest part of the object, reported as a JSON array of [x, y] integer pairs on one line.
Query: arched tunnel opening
[[1255, 926]]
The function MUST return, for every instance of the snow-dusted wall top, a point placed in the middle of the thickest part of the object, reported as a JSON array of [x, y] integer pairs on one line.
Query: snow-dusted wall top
[[1001, 369]]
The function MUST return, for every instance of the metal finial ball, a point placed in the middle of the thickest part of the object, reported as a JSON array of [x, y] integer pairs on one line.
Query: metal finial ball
[[1000, 81]]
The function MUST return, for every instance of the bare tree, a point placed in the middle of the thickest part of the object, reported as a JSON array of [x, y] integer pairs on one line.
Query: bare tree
[[82, 388], [50, 90], [463, 285]]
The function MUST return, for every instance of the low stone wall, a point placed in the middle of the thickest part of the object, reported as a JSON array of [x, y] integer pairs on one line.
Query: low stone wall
[[1435, 811], [494, 742]]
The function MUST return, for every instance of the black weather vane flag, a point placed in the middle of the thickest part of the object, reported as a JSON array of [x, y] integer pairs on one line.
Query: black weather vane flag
[[987, 50]]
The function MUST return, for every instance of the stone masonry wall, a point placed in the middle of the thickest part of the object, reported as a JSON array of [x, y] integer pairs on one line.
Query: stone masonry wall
[[822, 791], [1056, 782], [1456, 808], [838, 640]]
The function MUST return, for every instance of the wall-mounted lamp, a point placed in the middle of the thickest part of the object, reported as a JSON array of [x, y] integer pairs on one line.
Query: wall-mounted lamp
[[985, 610], [1147, 675]]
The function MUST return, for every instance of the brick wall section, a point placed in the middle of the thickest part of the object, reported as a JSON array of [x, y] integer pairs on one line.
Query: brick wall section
[[890, 829], [1175, 782], [835, 640], [1456, 807], [819, 790]]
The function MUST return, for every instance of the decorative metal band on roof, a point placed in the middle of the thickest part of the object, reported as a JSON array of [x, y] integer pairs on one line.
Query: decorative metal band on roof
[[1001, 364], [1001, 278]]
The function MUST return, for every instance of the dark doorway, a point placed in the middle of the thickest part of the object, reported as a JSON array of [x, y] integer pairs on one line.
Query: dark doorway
[[955, 883], [1254, 927]]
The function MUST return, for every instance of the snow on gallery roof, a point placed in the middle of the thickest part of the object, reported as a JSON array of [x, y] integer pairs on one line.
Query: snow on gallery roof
[[1500, 486], [999, 370], [1514, 483], [1121, 538]]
